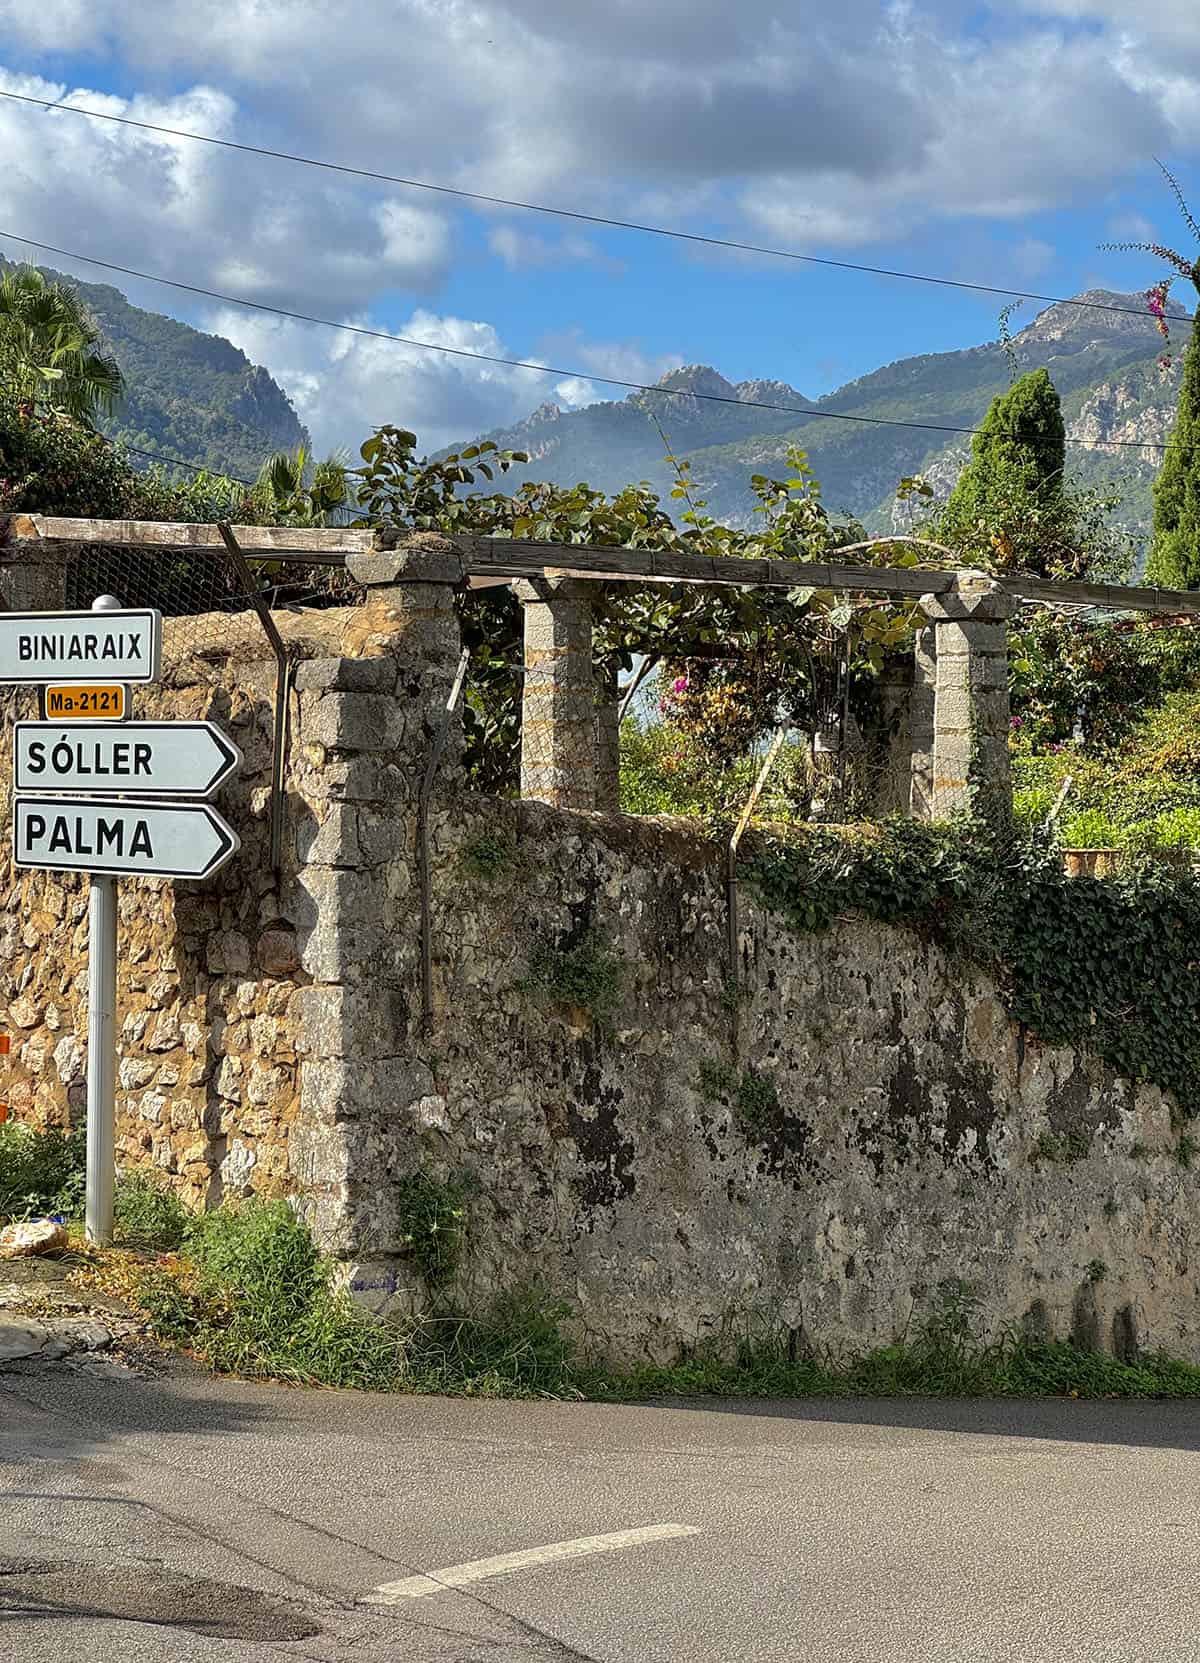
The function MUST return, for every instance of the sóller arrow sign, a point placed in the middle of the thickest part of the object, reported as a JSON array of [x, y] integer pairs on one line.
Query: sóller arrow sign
[[142, 759], [52, 647], [126, 839]]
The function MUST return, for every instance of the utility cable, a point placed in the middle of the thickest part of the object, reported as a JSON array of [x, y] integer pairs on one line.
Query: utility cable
[[603, 220], [541, 369]]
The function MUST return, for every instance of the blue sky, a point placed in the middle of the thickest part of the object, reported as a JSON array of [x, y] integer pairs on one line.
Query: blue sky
[[995, 144]]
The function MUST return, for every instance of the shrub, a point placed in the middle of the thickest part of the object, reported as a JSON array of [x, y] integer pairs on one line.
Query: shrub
[[261, 1301], [41, 1171], [586, 976], [433, 1222], [146, 1214]]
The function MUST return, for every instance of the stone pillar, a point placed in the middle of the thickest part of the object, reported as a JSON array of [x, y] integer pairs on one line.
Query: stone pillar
[[365, 725], [889, 757], [608, 746], [971, 709], [33, 578], [410, 610], [920, 711], [558, 709]]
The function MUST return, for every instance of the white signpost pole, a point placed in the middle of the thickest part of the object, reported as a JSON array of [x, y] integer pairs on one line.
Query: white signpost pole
[[128, 825], [102, 1036]]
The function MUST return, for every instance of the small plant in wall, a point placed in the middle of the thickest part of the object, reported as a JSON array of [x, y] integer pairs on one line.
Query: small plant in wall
[[488, 856], [757, 1100], [587, 976], [433, 1222]]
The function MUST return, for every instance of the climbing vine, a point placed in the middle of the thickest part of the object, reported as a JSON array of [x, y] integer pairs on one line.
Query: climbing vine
[[1106, 965]]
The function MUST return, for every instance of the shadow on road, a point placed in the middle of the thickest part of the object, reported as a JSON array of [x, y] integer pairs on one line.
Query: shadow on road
[[1152, 1425], [52, 1412]]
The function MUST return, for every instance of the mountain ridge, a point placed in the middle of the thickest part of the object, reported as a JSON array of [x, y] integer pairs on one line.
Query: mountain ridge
[[1104, 363], [188, 394]]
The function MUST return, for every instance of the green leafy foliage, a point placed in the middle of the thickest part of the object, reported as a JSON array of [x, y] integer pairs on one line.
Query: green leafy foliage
[[1175, 551], [764, 639], [257, 1298], [1012, 509], [292, 489], [52, 465], [1139, 795], [517, 1347], [41, 1172], [147, 1214], [666, 769], [1100, 678], [432, 1215], [757, 1100], [488, 856], [51, 359], [586, 975], [1047, 939]]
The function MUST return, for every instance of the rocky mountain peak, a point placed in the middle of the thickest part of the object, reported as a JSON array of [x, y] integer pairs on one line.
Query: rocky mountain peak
[[1086, 317], [769, 392], [699, 379]]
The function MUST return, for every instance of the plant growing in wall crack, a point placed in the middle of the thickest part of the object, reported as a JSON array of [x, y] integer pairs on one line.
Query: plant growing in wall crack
[[433, 1223], [587, 976]]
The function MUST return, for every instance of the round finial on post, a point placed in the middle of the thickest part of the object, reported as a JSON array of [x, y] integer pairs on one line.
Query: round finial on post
[[106, 603]]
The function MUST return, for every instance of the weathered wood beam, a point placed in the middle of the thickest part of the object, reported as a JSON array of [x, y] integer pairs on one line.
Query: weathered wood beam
[[315, 545], [1115, 597], [489, 556], [500, 557]]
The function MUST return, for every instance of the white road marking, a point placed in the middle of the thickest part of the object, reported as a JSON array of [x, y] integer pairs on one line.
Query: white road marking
[[504, 1564]]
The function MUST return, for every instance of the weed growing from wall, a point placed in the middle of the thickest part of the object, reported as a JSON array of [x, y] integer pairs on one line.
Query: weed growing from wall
[[488, 856], [757, 1100], [716, 1080], [586, 977], [433, 1221], [1107, 965]]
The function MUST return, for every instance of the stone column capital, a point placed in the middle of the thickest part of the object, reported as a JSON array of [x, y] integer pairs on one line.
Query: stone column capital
[[412, 557], [554, 586], [970, 600]]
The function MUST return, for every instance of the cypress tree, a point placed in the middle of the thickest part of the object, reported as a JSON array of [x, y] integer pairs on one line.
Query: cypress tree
[[1175, 552], [1013, 484]]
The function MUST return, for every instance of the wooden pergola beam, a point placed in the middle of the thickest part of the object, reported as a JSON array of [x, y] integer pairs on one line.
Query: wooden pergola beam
[[500, 557], [318, 546]]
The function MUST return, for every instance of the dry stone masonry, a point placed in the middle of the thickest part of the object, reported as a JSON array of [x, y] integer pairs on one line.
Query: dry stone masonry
[[861, 1124]]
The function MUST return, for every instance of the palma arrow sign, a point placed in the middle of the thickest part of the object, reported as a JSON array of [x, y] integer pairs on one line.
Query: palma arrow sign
[[127, 839], [141, 759]]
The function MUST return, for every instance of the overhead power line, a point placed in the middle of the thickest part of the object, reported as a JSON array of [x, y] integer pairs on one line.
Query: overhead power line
[[178, 462], [578, 215], [539, 369]]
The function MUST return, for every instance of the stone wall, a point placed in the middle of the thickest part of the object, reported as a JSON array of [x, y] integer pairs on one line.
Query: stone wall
[[861, 1124], [865, 1125]]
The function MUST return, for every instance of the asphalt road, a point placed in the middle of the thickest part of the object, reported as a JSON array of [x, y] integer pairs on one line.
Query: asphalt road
[[849, 1533]]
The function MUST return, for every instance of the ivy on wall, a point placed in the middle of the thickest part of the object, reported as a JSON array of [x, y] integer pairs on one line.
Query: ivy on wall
[[1108, 965]]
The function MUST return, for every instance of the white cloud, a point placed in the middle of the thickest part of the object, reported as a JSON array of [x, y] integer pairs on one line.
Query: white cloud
[[344, 385], [523, 250], [832, 125], [200, 214]]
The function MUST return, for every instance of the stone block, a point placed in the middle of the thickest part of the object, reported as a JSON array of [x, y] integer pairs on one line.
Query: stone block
[[346, 675], [352, 722], [334, 1088], [422, 557], [277, 950], [331, 840]]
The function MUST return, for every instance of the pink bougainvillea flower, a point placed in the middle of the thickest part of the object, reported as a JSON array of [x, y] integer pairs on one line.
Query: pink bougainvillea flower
[[680, 684]]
